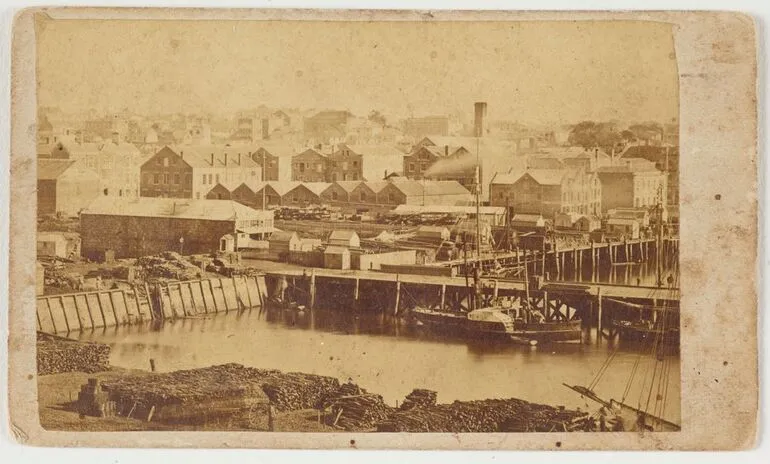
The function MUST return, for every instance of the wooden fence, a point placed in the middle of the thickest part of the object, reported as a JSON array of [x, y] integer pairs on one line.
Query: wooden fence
[[109, 308]]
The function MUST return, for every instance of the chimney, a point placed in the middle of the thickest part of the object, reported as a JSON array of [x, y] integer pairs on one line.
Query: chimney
[[115, 137], [480, 111], [265, 129], [239, 159], [212, 159], [596, 154], [386, 174], [446, 150], [225, 159], [181, 154]]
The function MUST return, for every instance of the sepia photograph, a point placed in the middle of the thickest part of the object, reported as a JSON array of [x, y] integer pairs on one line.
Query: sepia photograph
[[359, 226]]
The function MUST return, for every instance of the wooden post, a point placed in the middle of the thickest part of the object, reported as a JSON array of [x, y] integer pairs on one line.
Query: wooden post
[[559, 266], [494, 291], [398, 296], [599, 317], [152, 365], [271, 418], [443, 297], [593, 257], [546, 308], [312, 288], [579, 274], [355, 291]]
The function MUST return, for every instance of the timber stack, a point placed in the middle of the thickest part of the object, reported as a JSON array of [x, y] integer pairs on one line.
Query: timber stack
[[494, 415], [56, 355], [358, 412], [295, 390], [419, 397]]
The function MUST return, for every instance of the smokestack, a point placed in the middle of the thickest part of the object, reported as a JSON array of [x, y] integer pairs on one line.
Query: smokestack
[[265, 129], [446, 150], [225, 159], [239, 159], [181, 154], [480, 111], [212, 159]]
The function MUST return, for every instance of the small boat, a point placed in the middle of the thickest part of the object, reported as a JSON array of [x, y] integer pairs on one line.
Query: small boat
[[284, 305]]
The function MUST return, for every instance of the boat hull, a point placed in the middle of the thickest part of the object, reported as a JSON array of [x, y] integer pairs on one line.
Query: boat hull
[[539, 332]]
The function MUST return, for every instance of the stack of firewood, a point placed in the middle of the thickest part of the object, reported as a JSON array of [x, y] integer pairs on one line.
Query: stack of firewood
[[496, 415], [58, 354], [358, 412], [419, 397], [295, 390]]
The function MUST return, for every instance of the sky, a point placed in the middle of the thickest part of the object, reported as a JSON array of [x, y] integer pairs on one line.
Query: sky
[[531, 72]]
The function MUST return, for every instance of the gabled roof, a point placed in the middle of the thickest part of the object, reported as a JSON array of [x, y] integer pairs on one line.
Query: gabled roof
[[282, 187], [342, 235], [376, 150], [629, 165], [336, 250], [527, 218], [621, 221], [376, 185], [51, 169], [214, 210], [316, 187], [541, 176], [278, 149], [282, 236], [348, 185], [199, 156]]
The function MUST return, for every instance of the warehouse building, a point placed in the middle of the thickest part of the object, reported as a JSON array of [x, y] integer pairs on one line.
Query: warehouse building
[[130, 228]]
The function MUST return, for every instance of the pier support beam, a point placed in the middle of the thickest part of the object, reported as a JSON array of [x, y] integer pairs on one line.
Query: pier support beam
[[398, 296], [599, 329], [312, 288], [443, 297], [356, 291]]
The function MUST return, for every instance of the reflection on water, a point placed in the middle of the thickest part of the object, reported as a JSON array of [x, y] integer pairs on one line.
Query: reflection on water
[[384, 356]]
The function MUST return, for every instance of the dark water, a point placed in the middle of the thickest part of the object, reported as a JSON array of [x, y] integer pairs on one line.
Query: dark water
[[387, 357]]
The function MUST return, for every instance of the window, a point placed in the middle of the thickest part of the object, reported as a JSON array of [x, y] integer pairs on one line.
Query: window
[[165, 179], [204, 179], [319, 167], [345, 165], [210, 179], [301, 167], [156, 179], [391, 197], [165, 162], [159, 161], [334, 195], [176, 179], [294, 198], [355, 164], [411, 167], [363, 197], [197, 195], [217, 178]]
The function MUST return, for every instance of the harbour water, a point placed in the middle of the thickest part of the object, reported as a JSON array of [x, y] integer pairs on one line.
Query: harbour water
[[387, 357]]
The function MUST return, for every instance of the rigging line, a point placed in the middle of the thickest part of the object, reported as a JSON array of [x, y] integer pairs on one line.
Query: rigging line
[[603, 369], [659, 340]]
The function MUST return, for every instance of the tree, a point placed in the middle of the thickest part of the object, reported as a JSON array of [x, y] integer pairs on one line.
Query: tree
[[377, 117], [590, 134]]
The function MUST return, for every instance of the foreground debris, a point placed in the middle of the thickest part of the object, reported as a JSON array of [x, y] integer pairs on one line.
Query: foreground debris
[[204, 396], [58, 354]]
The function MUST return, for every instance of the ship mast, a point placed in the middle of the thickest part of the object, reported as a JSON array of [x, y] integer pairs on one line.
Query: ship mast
[[659, 239]]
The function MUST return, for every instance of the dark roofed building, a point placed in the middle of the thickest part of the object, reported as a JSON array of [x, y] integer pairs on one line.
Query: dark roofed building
[[64, 187]]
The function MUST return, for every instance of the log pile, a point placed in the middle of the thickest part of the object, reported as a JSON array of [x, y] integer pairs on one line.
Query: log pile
[[58, 354], [496, 415], [168, 265], [294, 390], [358, 412], [419, 397]]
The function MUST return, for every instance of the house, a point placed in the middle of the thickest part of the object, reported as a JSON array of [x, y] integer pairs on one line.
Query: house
[[528, 221], [246, 194], [309, 166], [432, 233], [344, 238], [622, 228], [666, 160], [326, 126], [425, 192], [548, 191], [52, 244], [641, 215], [495, 215], [134, 227], [191, 172], [284, 241], [363, 162], [275, 193], [427, 125], [633, 183], [565, 220], [336, 257], [65, 187], [586, 223], [339, 192], [277, 161], [305, 193]]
